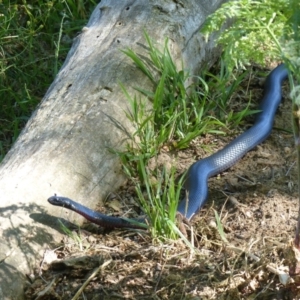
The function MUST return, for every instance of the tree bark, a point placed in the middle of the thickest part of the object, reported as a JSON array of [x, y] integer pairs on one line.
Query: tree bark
[[64, 147]]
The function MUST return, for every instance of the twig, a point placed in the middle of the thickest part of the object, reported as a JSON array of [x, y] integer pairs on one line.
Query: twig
[[100, 268]]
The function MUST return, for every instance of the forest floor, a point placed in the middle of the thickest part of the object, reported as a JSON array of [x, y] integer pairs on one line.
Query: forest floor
[[257, 204]]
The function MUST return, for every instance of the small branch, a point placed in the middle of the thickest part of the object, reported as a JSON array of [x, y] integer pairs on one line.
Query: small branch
[[100, 268]]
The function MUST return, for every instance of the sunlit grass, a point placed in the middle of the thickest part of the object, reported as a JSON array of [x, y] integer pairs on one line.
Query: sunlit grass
[[35, 37]]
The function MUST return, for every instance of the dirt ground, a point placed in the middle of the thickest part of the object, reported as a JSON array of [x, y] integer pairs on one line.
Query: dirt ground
[[257, 204]]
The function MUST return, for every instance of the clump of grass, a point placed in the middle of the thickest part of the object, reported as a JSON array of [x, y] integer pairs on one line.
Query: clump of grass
[[220, 89], [179, 113], [159, 199]]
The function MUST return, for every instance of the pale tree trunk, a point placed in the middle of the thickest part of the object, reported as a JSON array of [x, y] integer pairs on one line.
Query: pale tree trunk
[[64, 147]]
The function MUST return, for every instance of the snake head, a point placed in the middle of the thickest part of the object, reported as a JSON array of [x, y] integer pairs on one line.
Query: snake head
[[57, 200]]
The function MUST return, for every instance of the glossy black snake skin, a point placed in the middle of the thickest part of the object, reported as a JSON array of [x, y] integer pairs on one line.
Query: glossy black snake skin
[[197, 176]]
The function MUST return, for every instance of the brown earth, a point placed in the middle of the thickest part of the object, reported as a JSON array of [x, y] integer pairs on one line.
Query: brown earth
[[257, 203]]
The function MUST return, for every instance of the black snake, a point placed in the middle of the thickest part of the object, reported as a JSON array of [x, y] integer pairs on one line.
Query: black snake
[[197, 176]]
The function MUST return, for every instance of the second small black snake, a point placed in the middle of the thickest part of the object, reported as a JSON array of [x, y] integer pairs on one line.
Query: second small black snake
[[197, 176]]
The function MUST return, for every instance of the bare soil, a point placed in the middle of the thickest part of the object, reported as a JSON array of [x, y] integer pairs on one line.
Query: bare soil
[[257, 203]]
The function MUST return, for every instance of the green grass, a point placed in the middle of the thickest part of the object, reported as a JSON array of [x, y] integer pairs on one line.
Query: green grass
[[178, 113], [35, 37]]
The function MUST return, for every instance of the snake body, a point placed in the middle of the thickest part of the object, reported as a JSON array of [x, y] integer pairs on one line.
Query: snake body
[[96, 217], [199, 173]]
